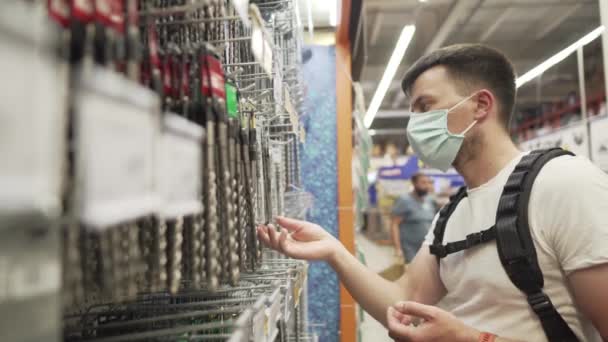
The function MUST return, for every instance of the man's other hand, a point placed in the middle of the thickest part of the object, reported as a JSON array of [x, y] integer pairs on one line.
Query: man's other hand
[[411, 321], [300, 240]]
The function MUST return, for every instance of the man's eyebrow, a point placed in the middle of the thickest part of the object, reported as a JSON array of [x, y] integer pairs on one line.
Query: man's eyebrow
[[417, 101]]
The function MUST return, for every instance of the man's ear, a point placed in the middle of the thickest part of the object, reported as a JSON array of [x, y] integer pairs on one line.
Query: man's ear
[[486, 103]]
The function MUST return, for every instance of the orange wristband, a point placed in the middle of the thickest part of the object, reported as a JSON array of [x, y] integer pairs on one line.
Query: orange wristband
[[487, 337]]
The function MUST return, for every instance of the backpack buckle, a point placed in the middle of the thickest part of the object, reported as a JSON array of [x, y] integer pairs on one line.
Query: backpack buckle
[[541, 304], [474, 239]]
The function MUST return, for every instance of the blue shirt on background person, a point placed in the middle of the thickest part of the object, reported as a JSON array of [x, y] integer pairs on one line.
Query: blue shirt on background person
[[412, 216]]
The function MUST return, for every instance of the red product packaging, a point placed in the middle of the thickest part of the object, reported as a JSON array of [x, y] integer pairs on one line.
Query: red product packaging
[[59, 11], [83, 10], [212, 77]]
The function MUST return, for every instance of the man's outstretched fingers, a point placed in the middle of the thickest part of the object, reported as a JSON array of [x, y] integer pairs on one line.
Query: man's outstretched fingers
[[416, 309], [263, 235], [292, 225], [283, 240], [272, 234]]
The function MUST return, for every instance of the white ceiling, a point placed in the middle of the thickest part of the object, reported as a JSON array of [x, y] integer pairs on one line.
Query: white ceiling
[[528, 31]]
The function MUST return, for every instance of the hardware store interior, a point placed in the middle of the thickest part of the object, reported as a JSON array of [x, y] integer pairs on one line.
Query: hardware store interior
[[156, 152]]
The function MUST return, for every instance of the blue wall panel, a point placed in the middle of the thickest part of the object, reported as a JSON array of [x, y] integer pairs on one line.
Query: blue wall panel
[[319, 177]]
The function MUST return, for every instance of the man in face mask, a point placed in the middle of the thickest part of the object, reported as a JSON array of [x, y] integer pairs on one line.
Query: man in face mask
[[461, 99], [412, 216]]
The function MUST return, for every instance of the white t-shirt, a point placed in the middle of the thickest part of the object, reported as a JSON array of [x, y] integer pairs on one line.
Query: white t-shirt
[[568, 216]]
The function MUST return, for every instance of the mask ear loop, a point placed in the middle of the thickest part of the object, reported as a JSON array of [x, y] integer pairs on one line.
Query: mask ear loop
[[462, 101], [469, 128], [458, 104]]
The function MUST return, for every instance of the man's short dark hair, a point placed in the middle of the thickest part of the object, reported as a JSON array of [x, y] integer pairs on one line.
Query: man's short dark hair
[[472, 66], [417, 176]]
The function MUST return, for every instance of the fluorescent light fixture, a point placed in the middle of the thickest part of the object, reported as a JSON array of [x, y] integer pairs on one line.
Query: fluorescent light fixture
[[558, 57], [333, 12], [372, 132], [404, 40]]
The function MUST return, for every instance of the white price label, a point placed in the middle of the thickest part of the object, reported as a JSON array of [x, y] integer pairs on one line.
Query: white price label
[[180, 177], [115, 151], [32, 130]]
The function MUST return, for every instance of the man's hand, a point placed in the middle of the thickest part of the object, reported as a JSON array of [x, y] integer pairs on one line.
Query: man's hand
[[434, 324], [300, 240]]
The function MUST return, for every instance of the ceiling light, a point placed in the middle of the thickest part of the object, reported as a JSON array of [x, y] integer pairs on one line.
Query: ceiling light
[[372, 132], [558, 57], [404, 40]]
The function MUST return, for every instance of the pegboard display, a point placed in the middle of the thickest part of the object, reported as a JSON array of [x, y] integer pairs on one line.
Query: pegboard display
[[158, 135]]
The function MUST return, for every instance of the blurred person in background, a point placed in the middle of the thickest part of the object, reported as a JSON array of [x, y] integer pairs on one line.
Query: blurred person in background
[[412, 215]]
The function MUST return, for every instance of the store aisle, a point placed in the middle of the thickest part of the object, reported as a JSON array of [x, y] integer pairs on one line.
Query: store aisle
[[377, 258]]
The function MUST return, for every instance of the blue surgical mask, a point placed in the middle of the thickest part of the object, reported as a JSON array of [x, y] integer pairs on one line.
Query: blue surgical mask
[[431, 139]]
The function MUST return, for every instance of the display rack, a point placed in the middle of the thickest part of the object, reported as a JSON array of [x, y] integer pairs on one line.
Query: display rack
[[163, 132]]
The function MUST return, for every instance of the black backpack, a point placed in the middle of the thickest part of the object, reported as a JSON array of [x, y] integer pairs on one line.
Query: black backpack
[[513, 240]]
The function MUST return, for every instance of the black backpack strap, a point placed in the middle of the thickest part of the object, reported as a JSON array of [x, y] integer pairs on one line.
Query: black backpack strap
[[437, 248], [472, 240], [516, 247]]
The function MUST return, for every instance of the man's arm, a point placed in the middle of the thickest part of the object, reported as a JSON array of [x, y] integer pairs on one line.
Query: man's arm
[[589, 288], [305, 240], [395, 233], [376, 294]]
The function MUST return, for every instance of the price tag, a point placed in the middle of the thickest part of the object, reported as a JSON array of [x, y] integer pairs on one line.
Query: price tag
[[117, 127], [179, 176], [32, 129]]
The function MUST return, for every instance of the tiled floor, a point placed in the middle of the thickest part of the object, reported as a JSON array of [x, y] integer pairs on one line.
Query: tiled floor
[[378, 258]]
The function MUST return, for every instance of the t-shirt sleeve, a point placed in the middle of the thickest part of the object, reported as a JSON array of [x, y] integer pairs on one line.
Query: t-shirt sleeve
[[569, 210], [400, 208]]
